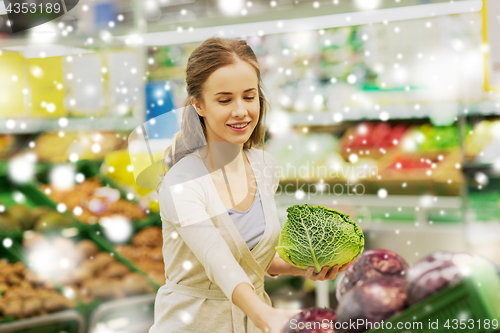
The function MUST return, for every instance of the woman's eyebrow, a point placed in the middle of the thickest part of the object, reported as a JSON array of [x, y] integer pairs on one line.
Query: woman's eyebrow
[[229, 93]]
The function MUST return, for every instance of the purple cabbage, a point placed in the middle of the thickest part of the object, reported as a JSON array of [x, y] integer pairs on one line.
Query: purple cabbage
[[436, 271], [377, 299], [370, 264], [311, 320]]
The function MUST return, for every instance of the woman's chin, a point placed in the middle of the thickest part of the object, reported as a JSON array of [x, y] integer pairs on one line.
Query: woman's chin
[[239, 142]]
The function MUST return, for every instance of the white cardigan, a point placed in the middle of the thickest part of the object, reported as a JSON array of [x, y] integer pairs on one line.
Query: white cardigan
[[205, 256]]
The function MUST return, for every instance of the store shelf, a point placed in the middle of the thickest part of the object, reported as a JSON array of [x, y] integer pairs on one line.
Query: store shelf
[[25, 126], [386, 112], [390, 112], [486, 108], [369, 200], [367, 206], [290, 19]]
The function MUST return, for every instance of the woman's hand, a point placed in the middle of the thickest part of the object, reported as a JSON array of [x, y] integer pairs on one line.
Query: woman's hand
[[325, 274], [279, 266], [275, 320]]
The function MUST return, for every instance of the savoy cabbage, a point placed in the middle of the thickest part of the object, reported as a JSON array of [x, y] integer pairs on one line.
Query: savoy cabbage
[[318, 236]]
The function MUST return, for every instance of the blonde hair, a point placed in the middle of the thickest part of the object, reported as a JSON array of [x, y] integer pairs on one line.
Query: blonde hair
[[211, 55]]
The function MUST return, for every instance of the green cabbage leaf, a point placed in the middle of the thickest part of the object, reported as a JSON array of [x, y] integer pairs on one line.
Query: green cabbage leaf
[[318, 236]]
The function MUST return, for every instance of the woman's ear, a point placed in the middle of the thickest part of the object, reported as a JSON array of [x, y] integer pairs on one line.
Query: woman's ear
[[197, 106]]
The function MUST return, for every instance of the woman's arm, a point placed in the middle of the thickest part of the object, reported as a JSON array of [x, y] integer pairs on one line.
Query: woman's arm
[[265, 317], [280, 267]]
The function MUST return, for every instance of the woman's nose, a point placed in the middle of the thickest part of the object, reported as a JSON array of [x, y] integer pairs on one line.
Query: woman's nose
[[240, 110]]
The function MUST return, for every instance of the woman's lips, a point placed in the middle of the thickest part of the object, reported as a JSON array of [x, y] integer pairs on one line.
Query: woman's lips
[[242, 129]]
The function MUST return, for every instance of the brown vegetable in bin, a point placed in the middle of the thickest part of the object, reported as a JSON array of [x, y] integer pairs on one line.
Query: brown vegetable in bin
[[86, 249], [13, 308], [159, 278], [33, 279], [126, 208], [57, 302], [156, 254], [115, 270], [101, 260], [18, 268], [16, 292], [102, 288], [12, 278], [82, 273], [24, 284], [20, 298], [32, 307], [149, 236], [134, 284]]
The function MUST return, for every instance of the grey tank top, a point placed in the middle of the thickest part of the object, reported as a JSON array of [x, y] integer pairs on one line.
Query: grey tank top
[[250, 223]]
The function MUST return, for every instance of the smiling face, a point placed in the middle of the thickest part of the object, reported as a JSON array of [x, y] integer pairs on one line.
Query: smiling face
[[230, 105]]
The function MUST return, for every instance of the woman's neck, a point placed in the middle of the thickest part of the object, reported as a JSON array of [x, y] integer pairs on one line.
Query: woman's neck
[[224, 155]]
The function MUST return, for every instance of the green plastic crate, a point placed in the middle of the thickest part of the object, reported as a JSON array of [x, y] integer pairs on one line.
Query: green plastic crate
[[475, 299], [68, 321]]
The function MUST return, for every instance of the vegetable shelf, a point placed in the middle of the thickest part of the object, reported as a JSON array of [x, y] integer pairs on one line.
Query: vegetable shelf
[[474, 302]]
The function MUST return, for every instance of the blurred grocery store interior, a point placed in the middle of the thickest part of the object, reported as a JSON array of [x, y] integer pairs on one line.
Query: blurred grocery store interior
[[387, 110]]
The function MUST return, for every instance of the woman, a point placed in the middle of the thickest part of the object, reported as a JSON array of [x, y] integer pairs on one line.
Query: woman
[[220, 225]]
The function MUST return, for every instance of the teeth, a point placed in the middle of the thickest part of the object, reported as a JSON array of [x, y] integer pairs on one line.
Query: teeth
[[239, 126]]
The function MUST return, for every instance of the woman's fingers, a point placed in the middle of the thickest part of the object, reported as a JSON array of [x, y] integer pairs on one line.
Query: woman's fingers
[[345, 266], [317, 276], [333, 272], [310, 273], [322, 274]]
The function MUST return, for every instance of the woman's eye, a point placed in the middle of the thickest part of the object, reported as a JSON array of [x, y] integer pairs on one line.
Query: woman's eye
[[246, 98]]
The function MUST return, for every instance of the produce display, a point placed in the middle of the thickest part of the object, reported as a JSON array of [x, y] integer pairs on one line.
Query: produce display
[[145, 250], [95, 201], [380, 285], [438, 270], [483, 141], [375, 300], [23, 294], [21, 217], [374, 154], [437, 167], [81, 266], [370, 264], [52, 147], [372, 139], [7, 144], [318, 236], [431, 138], [307, 321]]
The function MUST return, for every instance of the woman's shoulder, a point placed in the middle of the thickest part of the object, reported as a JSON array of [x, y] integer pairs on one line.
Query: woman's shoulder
[[190, 167]]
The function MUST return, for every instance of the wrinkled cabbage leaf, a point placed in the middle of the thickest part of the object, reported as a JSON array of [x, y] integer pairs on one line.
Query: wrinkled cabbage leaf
[[318, 236]]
